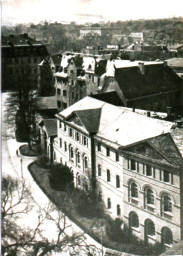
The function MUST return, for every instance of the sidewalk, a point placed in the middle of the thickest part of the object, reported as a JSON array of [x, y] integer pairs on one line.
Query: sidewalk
[[38, 195]]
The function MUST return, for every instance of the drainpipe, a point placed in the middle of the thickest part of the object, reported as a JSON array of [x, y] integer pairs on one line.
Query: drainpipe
[[93, 163]]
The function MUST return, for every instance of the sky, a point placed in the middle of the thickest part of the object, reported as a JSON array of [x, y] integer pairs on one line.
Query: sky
[[24, 11]]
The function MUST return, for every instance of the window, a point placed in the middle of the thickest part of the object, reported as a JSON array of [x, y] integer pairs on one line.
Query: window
[[85, 162], [166, 236], [71, 152], [65, 146], [148, 170], [84, 140], [58, 91], [64, 93], [78, 180], [72, 71], [133, 220], [149, 228], [64, 105], [60, 124], [149, 196], [117, 157], [118, 210], [77, 136], [166, 203], [65, 128], [78, 157], [72, 82], [59, 103], [117, 181], [60, 142], [108, 176], [70, 132], [133, 167], [99, 147], [107, 151], [108, 203], [166, 176], [99, 170], [133, 190]]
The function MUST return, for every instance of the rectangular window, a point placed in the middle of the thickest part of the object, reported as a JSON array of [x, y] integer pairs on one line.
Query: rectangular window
[[72, 82], [148, 170], [59, 103], [60, 124], [99, 147], [133, 165], [70, 132], [166, 176], [77, 136], [117, 157], [154, 173], [58, 91], [107, 151], [172, 178], [84, 140], [65, 128], [64, 93], [60, 142], [160, 174], [64, 105]]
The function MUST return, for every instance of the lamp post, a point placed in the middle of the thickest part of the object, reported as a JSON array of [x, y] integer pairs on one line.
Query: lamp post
[[21, 160]]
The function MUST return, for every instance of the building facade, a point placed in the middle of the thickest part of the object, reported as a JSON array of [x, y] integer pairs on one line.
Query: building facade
[[20, 58], [133, 162]]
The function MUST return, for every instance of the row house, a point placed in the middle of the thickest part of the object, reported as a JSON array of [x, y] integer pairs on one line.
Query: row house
[[21, 55], [144, 85], [78, 77], [133, 162]]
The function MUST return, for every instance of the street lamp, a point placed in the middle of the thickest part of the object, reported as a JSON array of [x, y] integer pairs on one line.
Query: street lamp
[[21, 160]]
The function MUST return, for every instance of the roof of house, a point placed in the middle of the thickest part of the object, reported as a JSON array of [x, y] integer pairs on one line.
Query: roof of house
[[50, 126], [109, 97], [45, 103], [119, 125], [175, 62]]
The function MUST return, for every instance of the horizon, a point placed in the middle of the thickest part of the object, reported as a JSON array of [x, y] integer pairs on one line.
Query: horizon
[[83, 11]]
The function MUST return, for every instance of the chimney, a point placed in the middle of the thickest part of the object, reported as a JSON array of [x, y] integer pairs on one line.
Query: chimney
[[141, 67]]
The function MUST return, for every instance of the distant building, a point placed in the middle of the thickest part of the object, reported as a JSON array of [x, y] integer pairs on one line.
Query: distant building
[[99, 31], [20, 58], [137, 37], [133, 162], [144, 85]]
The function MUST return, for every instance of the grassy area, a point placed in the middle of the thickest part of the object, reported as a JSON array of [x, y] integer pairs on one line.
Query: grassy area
[[34, 151], [71, 201]]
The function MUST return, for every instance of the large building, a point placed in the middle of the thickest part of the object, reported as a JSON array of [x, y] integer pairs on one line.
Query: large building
[[144, 85], [134, 163], [20, 58]]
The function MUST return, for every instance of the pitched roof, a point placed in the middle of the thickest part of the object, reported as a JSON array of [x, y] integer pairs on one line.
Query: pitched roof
[[90, 118], [50, 126], [175, 62], [109, 97], [119, 125]]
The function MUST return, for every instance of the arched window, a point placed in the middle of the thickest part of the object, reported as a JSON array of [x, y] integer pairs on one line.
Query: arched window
[[71, 152], [77, 157], [118, 210], [133, 220], [134, 190], [108, 203], [85, 162], [166, 236], [117, 181], [149, 228], [99, 170], [108, 175], [166, 203], [78, 180], [149, 196]]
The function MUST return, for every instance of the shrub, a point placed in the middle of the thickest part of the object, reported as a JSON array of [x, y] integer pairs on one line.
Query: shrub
[[60, 177], [43, 161]]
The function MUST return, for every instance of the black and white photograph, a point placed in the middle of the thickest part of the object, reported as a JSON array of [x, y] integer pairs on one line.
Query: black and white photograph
[[91, 127]]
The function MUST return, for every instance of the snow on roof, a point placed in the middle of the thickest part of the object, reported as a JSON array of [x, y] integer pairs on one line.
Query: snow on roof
[[89, 64], [65, 60], [61, 74], [123, 127]]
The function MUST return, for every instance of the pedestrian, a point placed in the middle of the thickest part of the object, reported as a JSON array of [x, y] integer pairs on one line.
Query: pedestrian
[[17, 152]]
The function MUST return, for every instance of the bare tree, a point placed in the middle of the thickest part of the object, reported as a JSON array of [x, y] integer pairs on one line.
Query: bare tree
[[17, 203]]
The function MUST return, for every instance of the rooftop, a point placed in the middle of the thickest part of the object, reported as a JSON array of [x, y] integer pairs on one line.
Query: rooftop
[[175, 62]]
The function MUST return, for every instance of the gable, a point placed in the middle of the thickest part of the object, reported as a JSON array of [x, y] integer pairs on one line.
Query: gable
[[145, 150], [75, 119]]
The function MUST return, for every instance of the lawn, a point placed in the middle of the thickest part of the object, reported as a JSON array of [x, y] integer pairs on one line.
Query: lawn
[[67, 203]]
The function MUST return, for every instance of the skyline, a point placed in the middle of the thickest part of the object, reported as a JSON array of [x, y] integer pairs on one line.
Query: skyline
[[26, 11]]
